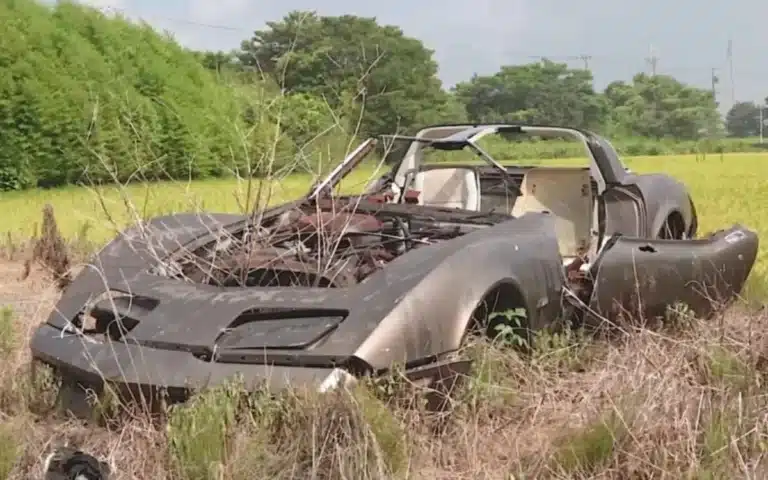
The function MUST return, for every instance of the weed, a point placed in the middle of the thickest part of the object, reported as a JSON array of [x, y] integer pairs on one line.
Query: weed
[[509, 328], [8, 336], [594, 446], [9, 448], [198, 433]]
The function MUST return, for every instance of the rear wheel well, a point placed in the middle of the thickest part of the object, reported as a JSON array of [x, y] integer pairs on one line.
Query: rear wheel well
[[503, 305], [673, 227]]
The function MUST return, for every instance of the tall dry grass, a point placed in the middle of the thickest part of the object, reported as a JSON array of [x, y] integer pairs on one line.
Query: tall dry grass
[[686, 400]]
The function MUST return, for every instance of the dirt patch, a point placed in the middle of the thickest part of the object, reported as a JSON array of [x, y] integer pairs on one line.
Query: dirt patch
[[31, 296]]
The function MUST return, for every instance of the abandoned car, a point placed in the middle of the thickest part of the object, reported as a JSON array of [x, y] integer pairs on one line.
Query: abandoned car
[[325, 289]]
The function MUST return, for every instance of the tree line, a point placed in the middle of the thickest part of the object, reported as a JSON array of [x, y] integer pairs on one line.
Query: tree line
[[747, 119], [98, 99], [396, 77]]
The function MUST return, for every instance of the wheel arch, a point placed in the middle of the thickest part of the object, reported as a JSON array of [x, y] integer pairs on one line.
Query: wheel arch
[[502, 296], [673, 227]]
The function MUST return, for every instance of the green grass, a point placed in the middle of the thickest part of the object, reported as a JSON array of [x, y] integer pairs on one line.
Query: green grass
[[97, 210], [727, 189]]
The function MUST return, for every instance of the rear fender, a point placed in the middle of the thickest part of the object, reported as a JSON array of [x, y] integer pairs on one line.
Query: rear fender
[[642, 278]]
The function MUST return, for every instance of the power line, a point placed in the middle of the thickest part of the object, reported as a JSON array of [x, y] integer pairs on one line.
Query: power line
[[182, 21]]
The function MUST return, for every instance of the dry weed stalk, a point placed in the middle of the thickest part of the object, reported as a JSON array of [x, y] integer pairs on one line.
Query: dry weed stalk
[[50, 251]]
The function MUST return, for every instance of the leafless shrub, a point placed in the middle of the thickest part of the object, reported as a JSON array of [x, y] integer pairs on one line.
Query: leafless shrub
[[50, 251]]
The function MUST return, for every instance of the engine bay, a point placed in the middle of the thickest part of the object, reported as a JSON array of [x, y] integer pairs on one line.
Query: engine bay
[[331, 246]]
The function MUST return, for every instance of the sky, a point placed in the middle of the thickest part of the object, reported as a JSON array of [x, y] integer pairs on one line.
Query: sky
[[688, 37]]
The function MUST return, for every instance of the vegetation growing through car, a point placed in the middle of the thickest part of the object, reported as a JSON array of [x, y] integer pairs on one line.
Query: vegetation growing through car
[[508, 325]]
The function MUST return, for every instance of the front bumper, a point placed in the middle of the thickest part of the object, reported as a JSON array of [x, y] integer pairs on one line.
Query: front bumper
[[92, 363]]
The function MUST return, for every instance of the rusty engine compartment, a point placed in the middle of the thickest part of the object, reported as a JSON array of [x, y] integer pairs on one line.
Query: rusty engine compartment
[[310, 247]]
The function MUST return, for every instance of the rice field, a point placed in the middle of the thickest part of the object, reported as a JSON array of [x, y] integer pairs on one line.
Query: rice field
[[686, 401], [727, 189]]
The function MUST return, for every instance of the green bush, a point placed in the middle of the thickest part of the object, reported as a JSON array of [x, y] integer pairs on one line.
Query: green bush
[[86, 95]]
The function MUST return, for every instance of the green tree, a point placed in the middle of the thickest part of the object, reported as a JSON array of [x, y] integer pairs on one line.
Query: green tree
[[390, 78], [543, 93], [218, 61], [660, 106], [89, 95], [743, 120], [304, 117]]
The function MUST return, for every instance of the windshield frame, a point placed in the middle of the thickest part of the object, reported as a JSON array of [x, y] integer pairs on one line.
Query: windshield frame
[[447, 137], [472, 133]]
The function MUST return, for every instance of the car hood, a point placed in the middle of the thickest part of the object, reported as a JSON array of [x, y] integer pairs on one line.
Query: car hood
[[320, 325]]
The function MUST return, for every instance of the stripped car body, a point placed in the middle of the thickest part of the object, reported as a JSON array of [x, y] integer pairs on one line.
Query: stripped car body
[[326, 289]]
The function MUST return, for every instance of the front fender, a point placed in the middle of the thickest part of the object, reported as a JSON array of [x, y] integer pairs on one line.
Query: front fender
[[432, 318]]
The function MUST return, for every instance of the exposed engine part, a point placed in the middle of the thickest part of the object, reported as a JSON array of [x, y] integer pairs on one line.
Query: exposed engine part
[[318, 248]]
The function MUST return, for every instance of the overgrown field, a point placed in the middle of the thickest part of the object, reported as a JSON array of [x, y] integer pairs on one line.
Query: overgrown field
[[685, 400], [729, 188]]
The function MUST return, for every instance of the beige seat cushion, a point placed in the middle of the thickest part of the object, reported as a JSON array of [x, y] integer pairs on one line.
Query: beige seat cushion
[[448, 188], [566, 194]]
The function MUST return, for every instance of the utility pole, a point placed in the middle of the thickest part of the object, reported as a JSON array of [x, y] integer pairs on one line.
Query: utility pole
[[715, 81], [585, 59], [762, 120], [729, 56], [652, 60]]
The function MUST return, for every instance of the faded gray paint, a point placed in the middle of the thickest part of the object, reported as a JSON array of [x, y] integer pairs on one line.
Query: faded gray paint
[[415, 309]]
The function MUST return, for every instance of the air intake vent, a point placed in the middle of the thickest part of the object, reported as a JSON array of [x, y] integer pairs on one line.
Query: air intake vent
[[279, 329]]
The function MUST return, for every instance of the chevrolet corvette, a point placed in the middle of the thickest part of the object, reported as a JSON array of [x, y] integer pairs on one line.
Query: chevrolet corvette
[[329, 288]]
